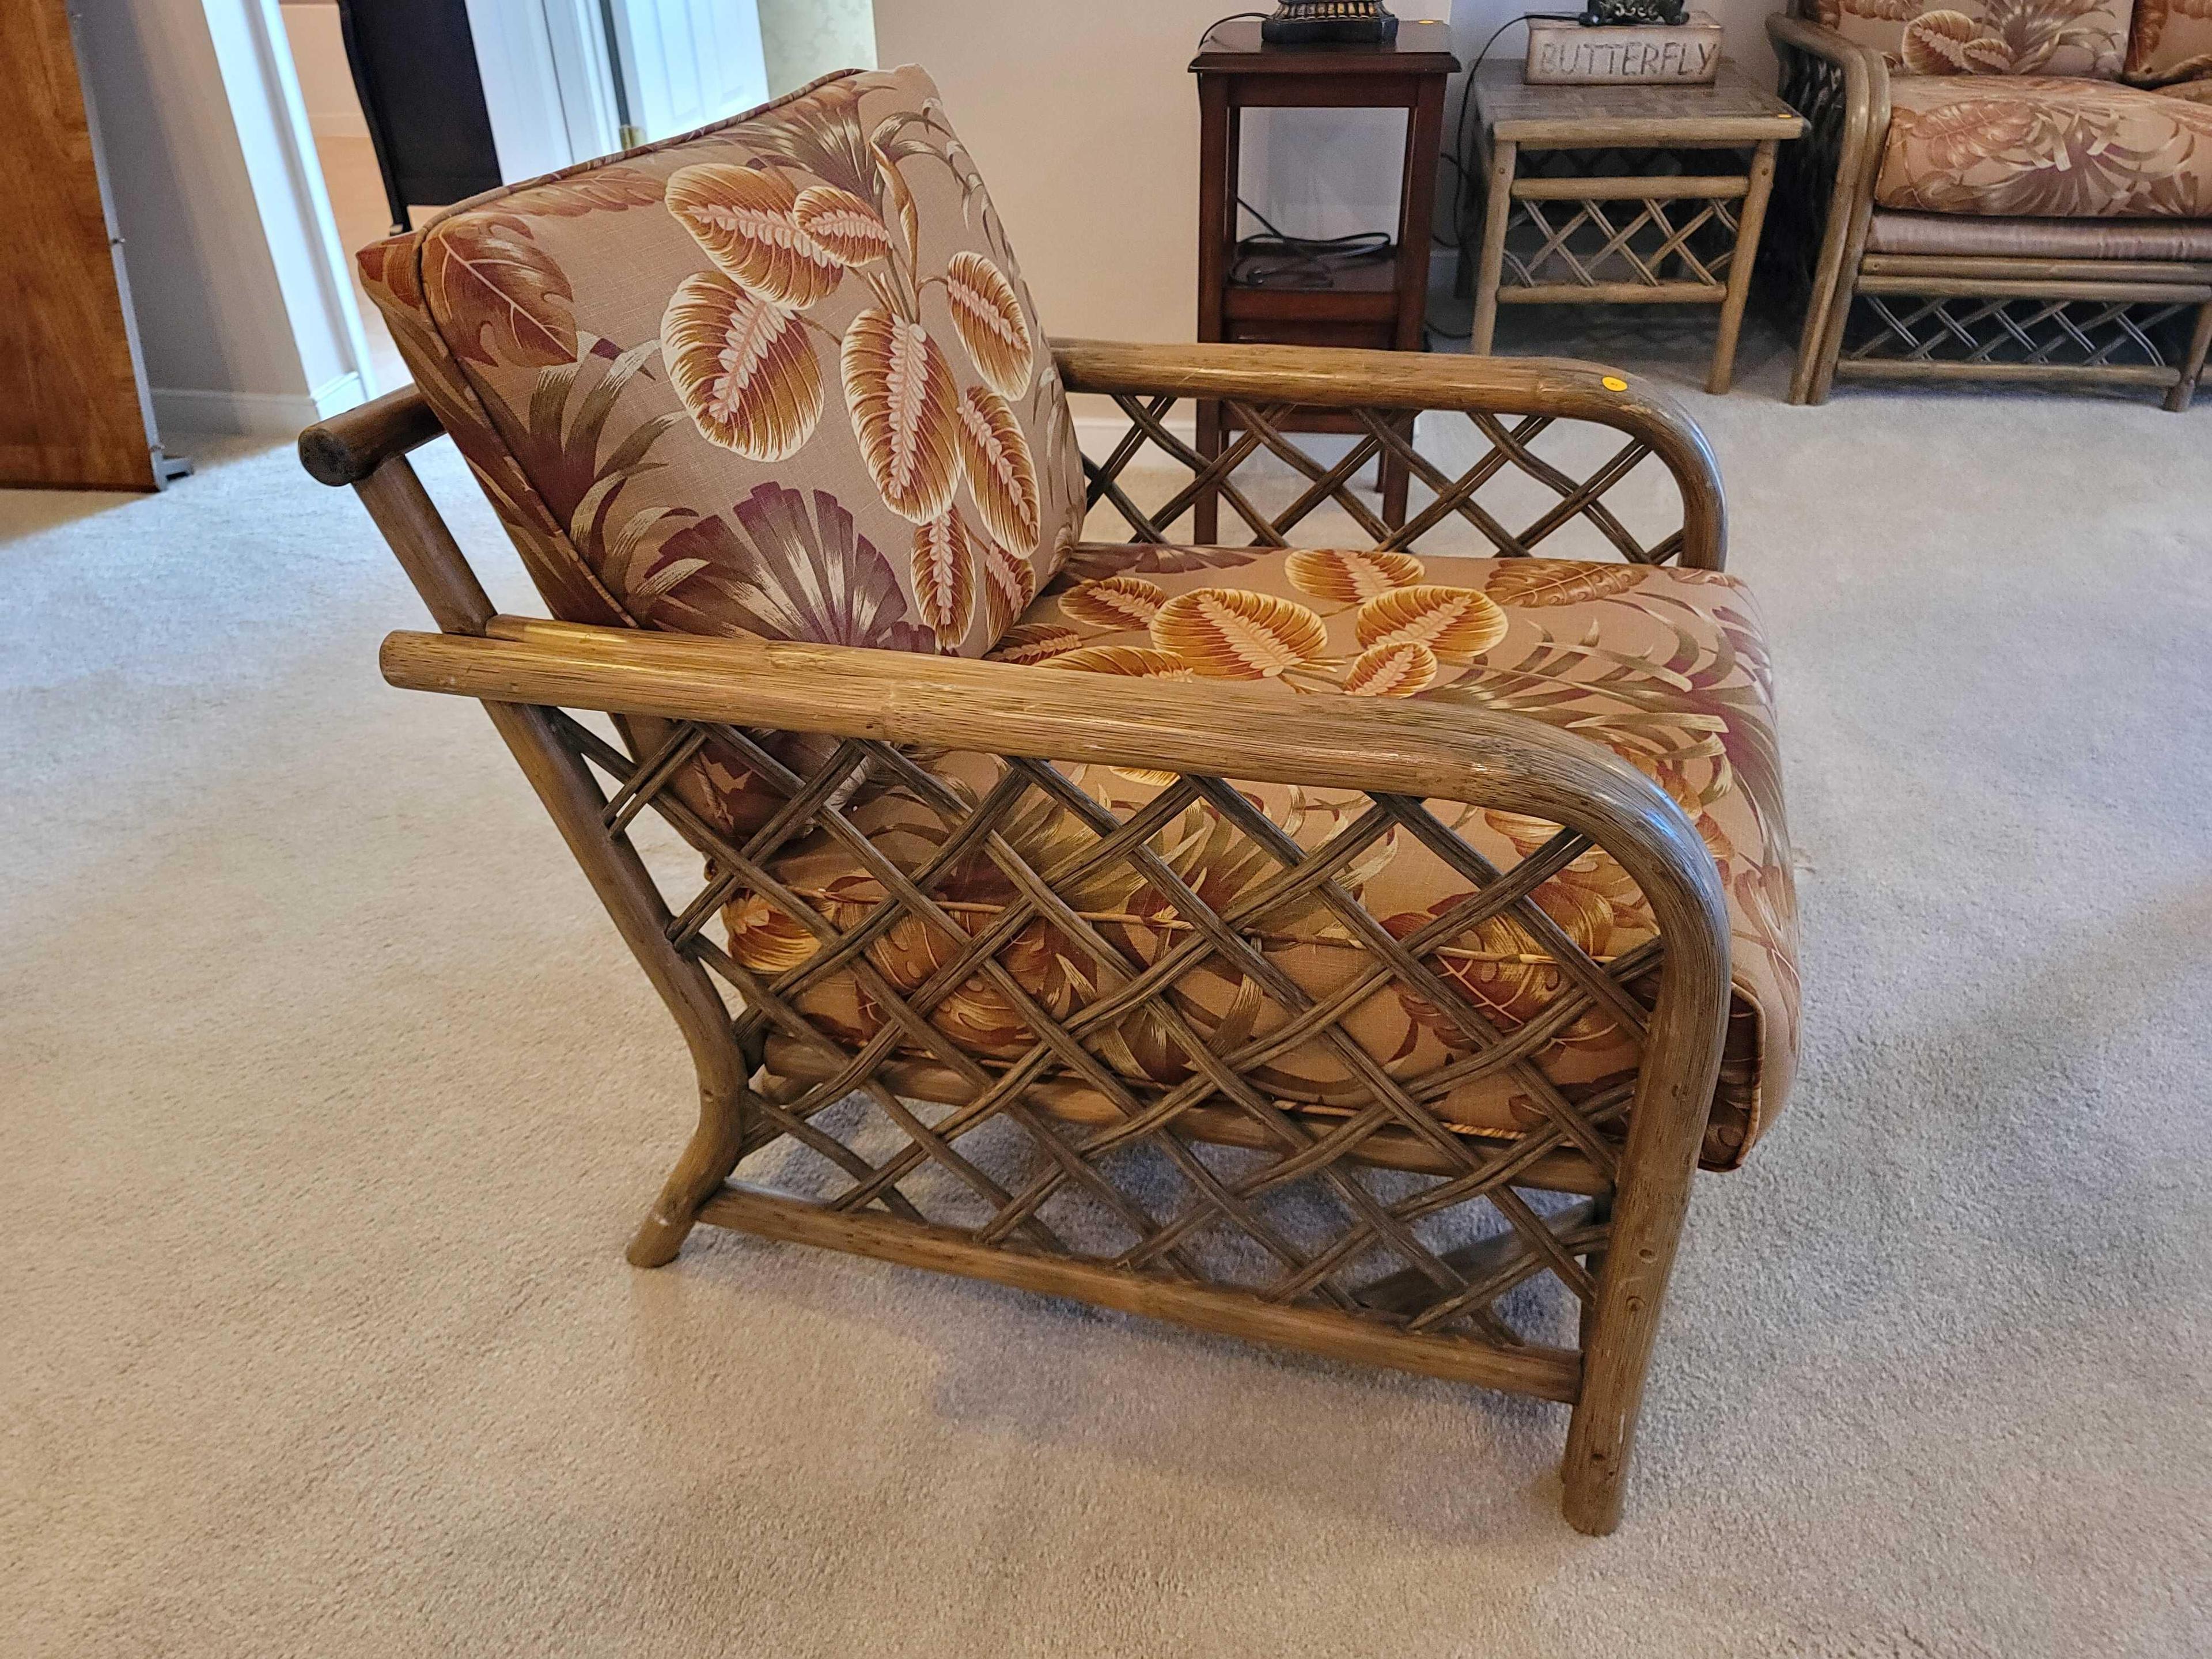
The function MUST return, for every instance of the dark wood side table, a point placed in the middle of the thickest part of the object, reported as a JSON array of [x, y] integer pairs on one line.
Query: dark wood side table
[[1607, 195], [1379, 305]]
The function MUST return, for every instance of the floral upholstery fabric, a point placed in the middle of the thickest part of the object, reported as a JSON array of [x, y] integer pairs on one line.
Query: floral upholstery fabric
[[781, 376], [1665, 666], [2171, 42], [1988, 37], [2046, 148]]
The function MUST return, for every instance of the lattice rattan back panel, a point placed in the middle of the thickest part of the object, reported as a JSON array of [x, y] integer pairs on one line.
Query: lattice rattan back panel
[[1480, 485], [1054, 1142]]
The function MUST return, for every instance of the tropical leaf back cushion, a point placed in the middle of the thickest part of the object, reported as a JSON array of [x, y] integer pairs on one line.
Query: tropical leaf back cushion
[[781, 376], [1988, 37], [2170, 43]]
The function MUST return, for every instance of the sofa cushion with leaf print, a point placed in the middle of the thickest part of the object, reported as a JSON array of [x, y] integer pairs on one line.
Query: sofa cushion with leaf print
[[779, 376], [1667, 667], [2037, 147], [1987, 37]]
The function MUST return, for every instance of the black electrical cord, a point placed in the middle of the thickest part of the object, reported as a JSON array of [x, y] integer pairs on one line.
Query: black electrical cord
[[1278, 259], [1457, 155], [1233, 17]]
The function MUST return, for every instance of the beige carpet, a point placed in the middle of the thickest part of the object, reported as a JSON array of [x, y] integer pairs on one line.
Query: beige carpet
[[331, 1100]]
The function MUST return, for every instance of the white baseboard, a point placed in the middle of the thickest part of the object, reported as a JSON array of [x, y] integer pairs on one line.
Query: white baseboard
[[253, 413], [339, 394], [1099, 433]]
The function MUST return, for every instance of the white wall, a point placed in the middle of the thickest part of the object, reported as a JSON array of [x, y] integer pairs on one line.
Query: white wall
[[804, 39], [1084, 119], [229, 247]]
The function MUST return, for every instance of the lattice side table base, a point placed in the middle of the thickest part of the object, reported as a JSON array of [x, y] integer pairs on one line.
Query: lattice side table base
[[1625, 225]]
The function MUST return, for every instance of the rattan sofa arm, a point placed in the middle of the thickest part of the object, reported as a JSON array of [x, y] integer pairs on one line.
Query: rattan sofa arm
[[1788, 29], [1329, 377], [1839, 158], [1866, 95]]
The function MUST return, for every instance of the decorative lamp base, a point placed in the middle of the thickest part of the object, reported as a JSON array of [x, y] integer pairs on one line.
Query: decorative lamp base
[[1329, 23]]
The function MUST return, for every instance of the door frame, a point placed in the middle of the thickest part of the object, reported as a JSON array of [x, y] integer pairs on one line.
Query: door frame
[[551, 83], [261, 90], [548, 86]]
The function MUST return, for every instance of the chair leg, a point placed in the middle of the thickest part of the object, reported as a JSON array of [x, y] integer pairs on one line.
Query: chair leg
[[1619, 1327], [712, 1153], [2192, 365], [1594, 1264], [1657, 1168], [1811, 342], [434, 564], [634, 904]]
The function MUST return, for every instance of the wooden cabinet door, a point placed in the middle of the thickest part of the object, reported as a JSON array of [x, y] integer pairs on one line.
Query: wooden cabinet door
[[74, 411]]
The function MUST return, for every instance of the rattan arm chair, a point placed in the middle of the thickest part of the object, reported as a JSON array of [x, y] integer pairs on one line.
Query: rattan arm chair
[[1953, 314], [871, 712]]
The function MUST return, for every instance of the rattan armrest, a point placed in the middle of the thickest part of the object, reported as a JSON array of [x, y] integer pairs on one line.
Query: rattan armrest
[[1505, 762], [1856, 143], [1818, 39], [1328, 377], [348, 447]]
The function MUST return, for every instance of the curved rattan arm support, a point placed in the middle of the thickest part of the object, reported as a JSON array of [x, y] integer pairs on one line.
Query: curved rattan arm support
[[1490, 760], [1331, 378], [1842, 90]]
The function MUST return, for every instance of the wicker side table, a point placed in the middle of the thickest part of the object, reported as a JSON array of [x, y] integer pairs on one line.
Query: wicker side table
[[1613, 195]]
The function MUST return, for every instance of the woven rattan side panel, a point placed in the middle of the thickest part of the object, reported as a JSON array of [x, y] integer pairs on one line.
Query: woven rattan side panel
[[1060, 1144]]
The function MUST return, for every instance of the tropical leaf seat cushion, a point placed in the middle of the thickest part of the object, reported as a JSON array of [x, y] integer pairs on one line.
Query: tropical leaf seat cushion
[[2041, 146], [782, 375], [1664, 666]]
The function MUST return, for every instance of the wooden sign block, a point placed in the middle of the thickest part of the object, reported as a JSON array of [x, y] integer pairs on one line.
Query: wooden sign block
[[1563, 54]]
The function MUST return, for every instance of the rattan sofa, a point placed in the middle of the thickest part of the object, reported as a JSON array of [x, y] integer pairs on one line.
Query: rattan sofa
[[1337, 946], [2011, 191]]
